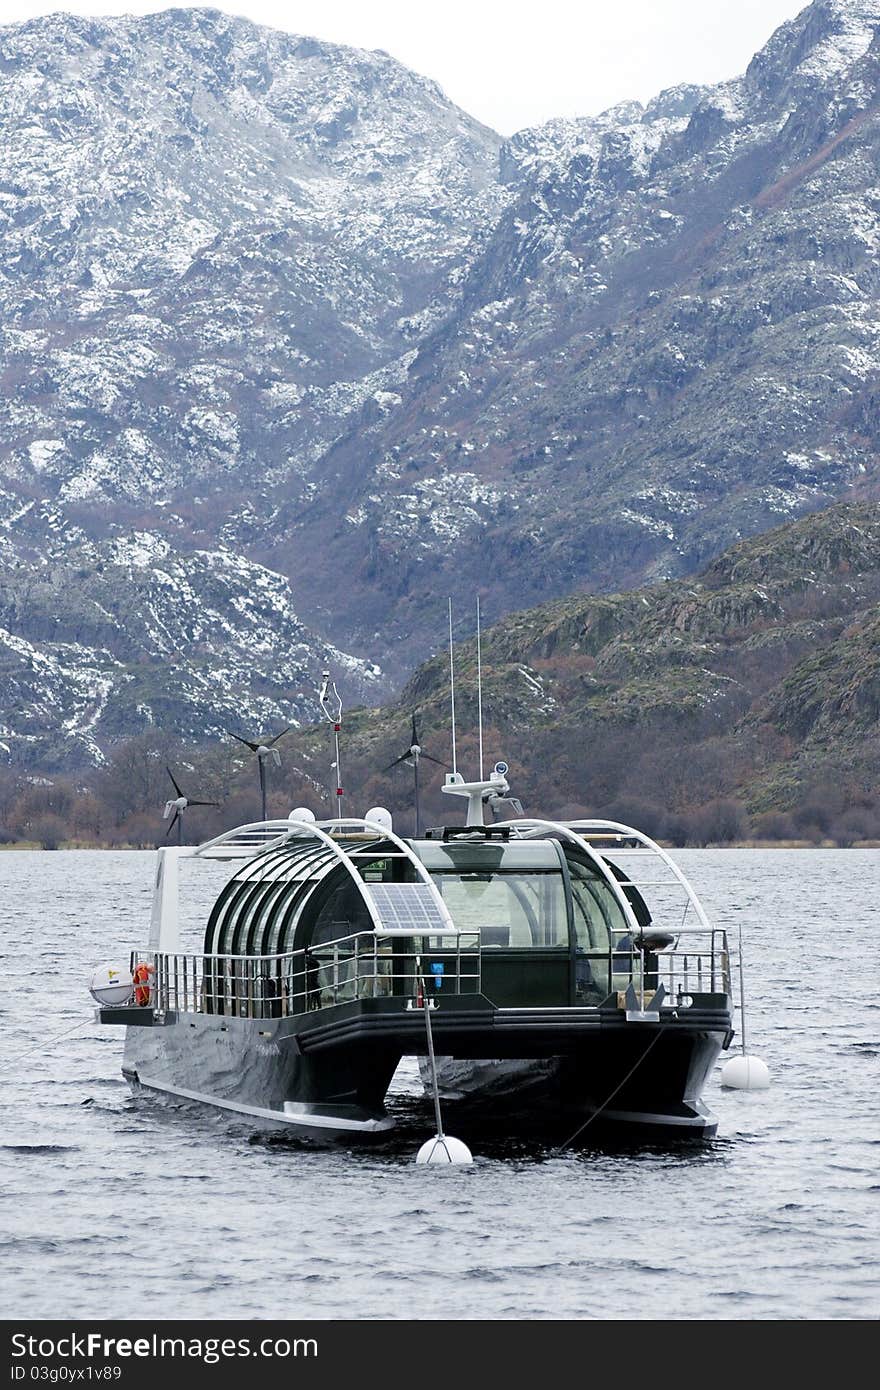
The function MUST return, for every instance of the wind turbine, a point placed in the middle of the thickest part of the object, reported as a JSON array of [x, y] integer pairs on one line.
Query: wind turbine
[[412, 757], [178, 806], [264, 751]]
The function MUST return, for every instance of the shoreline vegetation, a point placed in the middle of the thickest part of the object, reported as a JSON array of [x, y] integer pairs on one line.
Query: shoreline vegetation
[[740, 706], [73, 845], [119, 805]]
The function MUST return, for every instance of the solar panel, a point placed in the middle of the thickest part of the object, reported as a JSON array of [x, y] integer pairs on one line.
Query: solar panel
[[408, 907]]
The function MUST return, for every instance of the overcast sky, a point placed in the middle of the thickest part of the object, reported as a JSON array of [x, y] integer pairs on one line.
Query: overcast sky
[[514, 64]]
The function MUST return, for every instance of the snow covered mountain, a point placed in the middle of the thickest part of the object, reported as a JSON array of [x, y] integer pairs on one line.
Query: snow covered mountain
[[103, 639], [672, 340], [216, 243], [291, 348]]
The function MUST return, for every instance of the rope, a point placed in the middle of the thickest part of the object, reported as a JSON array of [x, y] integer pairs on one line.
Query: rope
[[596, 1113], [435, 1085], [10, 1061]]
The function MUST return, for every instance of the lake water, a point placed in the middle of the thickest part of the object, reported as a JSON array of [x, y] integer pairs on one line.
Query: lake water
[[117, 1206]]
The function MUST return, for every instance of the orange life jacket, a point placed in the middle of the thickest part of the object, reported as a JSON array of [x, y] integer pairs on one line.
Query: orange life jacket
[[143, 983]]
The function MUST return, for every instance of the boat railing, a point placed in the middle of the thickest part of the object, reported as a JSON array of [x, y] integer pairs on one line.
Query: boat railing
[[695, 961], [362, 965], [389, 963]]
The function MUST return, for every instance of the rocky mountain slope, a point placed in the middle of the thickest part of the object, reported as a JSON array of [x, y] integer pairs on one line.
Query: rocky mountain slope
[[759, 679], [671, 340], [131, 634], [291, 348], [741, 703], [216, 242]]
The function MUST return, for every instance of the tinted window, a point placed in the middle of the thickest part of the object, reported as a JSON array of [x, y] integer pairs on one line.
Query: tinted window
[[596, 910], [509, 909]]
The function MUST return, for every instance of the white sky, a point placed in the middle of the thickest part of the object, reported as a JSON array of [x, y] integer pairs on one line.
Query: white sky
[[513, 64]]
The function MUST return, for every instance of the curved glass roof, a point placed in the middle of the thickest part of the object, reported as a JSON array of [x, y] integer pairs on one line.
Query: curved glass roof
[[262, 904]]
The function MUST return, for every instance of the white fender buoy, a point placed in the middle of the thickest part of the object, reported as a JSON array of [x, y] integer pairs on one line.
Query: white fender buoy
[[112, 986], [443, 1149], [745, 1073]]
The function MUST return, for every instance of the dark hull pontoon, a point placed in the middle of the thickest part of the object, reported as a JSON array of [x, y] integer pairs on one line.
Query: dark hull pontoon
[[332, 1078], [556, 995]]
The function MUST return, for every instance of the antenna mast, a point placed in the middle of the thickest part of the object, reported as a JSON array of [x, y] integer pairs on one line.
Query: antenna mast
[[329, 696], [479, 688], [452, 690]]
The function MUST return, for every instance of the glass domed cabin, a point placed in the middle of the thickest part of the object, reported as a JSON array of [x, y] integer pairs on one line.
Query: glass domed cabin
[[552, 927]]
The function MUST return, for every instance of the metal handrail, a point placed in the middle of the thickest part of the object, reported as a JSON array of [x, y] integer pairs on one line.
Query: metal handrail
[[366, 964], [370, 965], [691, 968]]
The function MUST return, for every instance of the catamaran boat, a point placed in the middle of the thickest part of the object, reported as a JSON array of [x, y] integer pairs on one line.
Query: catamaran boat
[[568, 972]]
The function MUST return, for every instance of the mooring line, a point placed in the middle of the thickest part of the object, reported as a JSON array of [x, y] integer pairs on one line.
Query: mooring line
[[10, 1061], [596, 1113]]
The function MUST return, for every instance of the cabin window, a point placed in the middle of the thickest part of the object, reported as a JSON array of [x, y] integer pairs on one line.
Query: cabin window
[[509, 909], [343, 914], [600, 924], [237, 931], [278, 933], [597, 911], [279, 892]]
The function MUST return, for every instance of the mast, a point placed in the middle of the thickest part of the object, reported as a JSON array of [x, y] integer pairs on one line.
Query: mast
[[479, 688], [452, 690], [330, 701]]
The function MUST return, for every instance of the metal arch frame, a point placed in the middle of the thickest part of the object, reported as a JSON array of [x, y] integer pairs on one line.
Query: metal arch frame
[[263, 911], [532, 829], [317, 831], [631, 833], [320, 829], [229, 837], [243, 883], [286, 909]]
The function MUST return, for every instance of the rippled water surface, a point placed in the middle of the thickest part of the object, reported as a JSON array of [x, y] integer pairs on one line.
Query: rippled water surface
[[121, 1206]]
